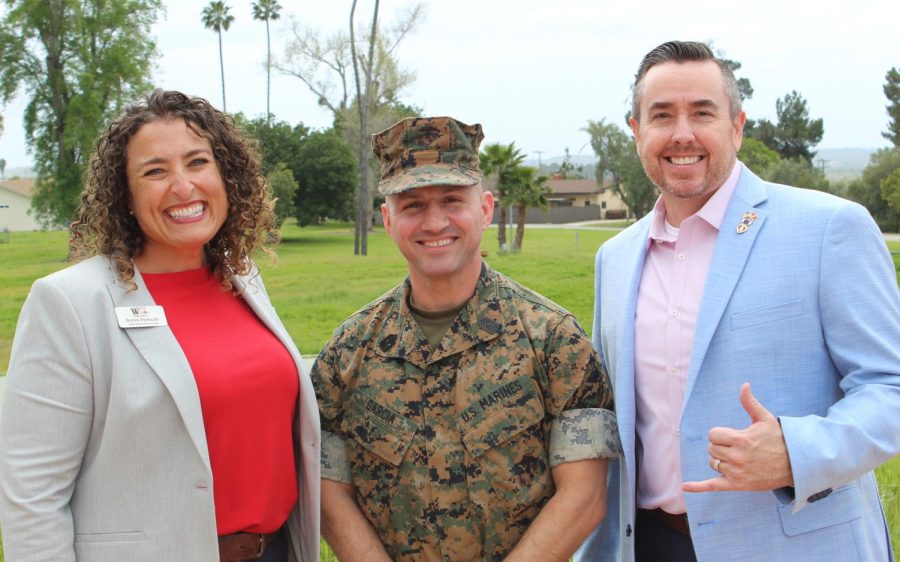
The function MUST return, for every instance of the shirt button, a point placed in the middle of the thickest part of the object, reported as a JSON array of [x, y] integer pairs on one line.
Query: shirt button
[[673, 312], [673, 371], [682, 257], [677, 431]]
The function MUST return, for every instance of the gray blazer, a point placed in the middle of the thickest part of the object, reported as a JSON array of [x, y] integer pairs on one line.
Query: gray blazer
[[103, 452]]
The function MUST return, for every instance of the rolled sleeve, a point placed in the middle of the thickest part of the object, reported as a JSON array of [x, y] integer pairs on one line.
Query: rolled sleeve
[[582, 434], [335, 462]]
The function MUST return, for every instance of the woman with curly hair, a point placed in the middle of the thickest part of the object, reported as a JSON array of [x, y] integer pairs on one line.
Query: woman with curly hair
[[155, 406]]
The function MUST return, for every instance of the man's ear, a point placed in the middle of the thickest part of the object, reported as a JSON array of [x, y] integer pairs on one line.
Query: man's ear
[[739, 122], [635, 128], [487, 207], [386, 217]]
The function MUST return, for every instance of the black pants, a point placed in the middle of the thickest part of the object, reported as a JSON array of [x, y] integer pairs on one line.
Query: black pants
[[654, 542]]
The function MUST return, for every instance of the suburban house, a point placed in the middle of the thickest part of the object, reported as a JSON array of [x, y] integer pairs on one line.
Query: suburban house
[[15, 204], [572, 200]]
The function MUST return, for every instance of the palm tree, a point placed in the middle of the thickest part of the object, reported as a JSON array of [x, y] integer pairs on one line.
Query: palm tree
[[527, 189], [501, 160], [217, 18], [265, 10], [611, 145]]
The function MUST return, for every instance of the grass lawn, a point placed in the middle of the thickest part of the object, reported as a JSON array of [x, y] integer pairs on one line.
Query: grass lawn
[[317, 282]]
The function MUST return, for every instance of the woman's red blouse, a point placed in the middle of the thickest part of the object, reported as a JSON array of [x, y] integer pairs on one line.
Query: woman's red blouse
[[248, 385]]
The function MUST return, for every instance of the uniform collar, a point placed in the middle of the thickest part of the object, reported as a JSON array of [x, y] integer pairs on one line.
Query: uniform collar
[[481, 319]]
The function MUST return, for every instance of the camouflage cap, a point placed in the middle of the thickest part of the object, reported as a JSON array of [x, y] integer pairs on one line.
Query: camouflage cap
[[422, 151]]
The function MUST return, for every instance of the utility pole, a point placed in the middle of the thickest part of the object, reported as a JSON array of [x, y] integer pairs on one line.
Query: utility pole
[[821, 162], [539, 152]]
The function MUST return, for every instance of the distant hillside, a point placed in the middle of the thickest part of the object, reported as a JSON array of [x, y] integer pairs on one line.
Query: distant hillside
[[839, 163], [19, 173], [843, 163]]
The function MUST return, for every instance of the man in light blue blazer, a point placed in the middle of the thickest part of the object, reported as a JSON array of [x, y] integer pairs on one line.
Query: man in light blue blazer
[[752, 332]]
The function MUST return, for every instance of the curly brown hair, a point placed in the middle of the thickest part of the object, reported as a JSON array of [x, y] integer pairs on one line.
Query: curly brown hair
[[105, 225]]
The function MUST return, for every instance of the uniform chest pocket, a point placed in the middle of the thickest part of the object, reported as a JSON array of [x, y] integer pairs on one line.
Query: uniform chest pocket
[[377, 439], [377, 428], [508, 439]]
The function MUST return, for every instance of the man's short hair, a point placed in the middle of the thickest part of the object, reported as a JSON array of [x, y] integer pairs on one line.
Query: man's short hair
[[679, 52]]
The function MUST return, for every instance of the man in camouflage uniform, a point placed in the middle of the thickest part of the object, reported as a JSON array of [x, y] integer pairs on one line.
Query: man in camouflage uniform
[[464, 416]]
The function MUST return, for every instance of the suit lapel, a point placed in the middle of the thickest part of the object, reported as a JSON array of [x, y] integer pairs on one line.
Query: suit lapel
[[624, 366], [160, 349], [251, 292], [729, 258]]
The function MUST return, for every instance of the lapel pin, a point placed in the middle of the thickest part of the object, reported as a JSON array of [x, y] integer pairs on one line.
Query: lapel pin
[[746, 220]]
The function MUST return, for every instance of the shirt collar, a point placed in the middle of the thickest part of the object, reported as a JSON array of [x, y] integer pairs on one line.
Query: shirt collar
[[713, 211]]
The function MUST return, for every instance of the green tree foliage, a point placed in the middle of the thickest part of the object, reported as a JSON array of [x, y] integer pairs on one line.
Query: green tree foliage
[[501, 160], [797, 172], [217, 17], [636, 190], [744, 87], [327, 177], [892, 91], [335, 66], [267, 10], [284, 190], [79, 61], [764, 131], [867, 190], [618, 160], [322, 164], [756, 155], [890, 189], [610, 143], [795, 134], [2, 169], [278, 141], [526, 189], [379, 118]]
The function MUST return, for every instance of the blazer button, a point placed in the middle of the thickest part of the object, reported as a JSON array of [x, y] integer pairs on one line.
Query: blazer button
[[820, 495], [628, 530]]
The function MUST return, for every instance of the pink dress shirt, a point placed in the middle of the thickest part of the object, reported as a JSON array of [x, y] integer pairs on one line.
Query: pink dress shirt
[[668, 302]]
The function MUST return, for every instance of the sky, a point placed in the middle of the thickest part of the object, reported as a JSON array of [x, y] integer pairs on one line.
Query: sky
[[534, 72]]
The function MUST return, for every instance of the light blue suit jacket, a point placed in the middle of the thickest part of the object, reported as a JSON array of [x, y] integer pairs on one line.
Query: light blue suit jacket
[[804, 305]]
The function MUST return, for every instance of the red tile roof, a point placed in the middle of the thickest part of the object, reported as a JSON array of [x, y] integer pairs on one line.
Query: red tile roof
[[21, 186]]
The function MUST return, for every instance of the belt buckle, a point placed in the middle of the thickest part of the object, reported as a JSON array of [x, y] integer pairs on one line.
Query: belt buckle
[[262, 546]]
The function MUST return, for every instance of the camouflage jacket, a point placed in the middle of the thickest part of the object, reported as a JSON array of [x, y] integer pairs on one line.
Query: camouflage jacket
[[451, 448]]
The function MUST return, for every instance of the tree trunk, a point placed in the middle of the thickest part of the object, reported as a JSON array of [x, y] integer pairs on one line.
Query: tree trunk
[[268, 75], [501, 228], [520, 228], [222, 69], [361, 186], [360, 244]]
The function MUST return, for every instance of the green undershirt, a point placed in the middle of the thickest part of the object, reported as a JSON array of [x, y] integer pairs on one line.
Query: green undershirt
[[434, 324]]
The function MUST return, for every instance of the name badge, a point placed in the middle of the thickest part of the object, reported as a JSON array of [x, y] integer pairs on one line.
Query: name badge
[[140, 316]]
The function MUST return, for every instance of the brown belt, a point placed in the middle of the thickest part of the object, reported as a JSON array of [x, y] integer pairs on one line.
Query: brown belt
[[676, 522], [244, 546]]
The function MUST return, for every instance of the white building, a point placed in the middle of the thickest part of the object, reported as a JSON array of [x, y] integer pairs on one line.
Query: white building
[[15, 205]]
